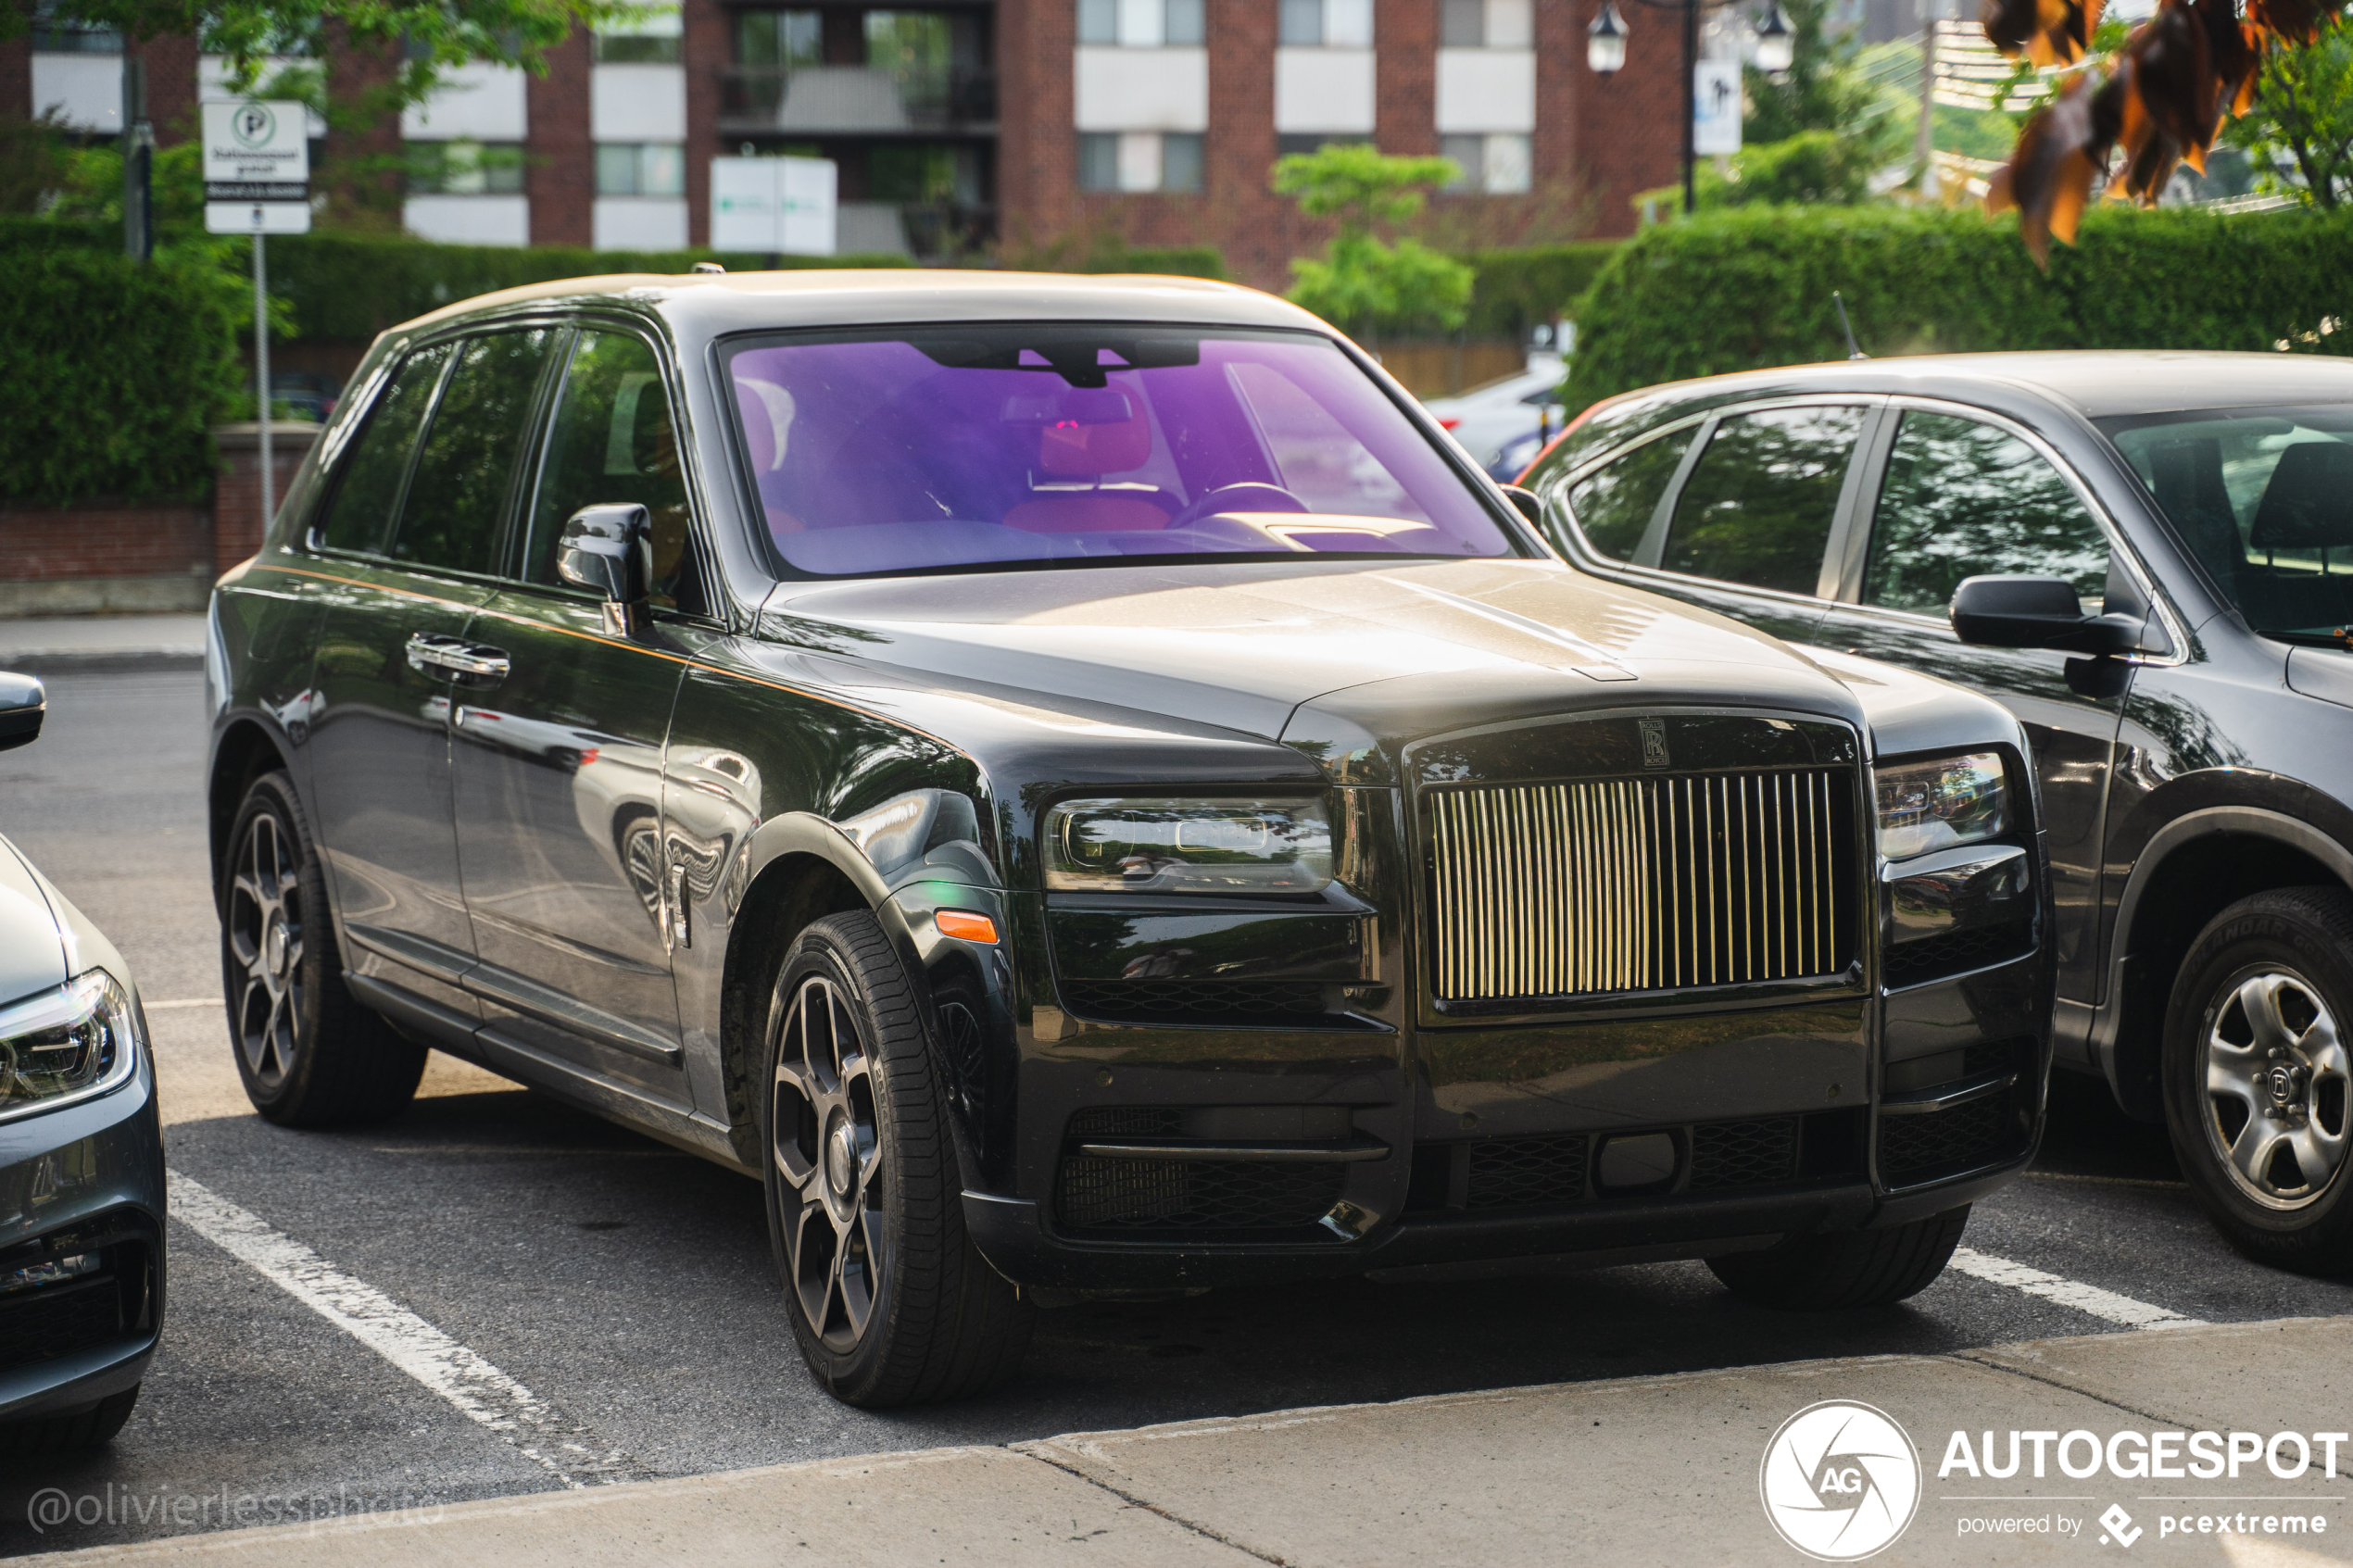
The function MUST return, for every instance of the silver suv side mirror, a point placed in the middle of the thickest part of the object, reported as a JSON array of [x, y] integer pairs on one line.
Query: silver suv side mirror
[[23, 703], [607, 550], [2037, 612]]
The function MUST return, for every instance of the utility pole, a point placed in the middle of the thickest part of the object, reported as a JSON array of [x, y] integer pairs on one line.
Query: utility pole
[[1924, 140], [138, 163], [1691, 105]]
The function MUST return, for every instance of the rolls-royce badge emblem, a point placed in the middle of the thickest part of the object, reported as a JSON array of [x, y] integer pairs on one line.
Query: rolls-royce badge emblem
[[1655, 744]]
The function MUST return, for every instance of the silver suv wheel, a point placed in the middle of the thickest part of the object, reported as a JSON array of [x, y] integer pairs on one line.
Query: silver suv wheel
[[2276, 1077]]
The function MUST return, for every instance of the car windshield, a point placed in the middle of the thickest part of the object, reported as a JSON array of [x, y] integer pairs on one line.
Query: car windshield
[[2264, 497], [935, 448]]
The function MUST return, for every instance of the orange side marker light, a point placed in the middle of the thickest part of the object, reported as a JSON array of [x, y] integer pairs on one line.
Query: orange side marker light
[[965, 925]]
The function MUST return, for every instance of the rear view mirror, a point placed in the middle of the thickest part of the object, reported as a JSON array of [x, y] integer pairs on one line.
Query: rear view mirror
[[23, 702], [2037, 612], [608, 550]]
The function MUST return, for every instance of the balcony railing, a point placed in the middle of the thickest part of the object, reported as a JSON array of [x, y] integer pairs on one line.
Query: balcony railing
[[854, 99]]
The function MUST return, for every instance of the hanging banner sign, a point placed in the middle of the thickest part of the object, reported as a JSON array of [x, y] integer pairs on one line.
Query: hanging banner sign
[[1715, 107]]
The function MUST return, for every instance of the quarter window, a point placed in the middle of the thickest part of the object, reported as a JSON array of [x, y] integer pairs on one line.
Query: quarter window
[[458, 496], [1758, 505], [369, 487], [1963, 497], [612, 440], [1613, 505]]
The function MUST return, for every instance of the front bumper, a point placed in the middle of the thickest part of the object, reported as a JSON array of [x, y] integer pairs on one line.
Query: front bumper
[[86, 1180]]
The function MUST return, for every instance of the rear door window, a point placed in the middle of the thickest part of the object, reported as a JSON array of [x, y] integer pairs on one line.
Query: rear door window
[[369, 489], [1758, 506], [1614, 503], [458, 495], [1962, 497]]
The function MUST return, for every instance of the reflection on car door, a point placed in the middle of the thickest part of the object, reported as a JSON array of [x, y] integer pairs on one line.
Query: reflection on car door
[[411, 531], [1962, 496], [558, 770], [1748, 515]]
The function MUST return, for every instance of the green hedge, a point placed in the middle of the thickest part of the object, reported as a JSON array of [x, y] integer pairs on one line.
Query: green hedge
[[1515, 290], [1744, 289], [114, 373]]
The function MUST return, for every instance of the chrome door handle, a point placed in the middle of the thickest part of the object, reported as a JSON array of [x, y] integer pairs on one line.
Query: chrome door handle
[[471, 664]]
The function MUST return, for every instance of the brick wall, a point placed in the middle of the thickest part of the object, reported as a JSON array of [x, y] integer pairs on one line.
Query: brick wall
[[370, 198], [235, 514], [561, 177], [1628, 127], [104, 539], [708, 48], [16, 78], [171, 89]]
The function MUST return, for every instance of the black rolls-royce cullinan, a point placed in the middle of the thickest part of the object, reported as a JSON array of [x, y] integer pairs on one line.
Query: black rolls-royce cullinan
[[1078, 787]]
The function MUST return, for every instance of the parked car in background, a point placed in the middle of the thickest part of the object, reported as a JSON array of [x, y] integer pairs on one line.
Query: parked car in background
[[1078, 786], [1504, 424], [82, 1193], [2138, 554]]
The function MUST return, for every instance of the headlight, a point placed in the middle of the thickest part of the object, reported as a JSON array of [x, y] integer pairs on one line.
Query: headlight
[[68, 1044], [1925, 806], [1239, 846]]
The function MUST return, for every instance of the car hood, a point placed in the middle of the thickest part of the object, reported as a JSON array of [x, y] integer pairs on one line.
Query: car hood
[[32, 942], [1242, 647]]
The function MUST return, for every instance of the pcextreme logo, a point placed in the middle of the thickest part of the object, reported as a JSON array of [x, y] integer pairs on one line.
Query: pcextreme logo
[[1840, 1481]]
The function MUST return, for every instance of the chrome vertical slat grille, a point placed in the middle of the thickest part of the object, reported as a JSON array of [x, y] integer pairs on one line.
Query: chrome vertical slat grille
[[1643, 884]]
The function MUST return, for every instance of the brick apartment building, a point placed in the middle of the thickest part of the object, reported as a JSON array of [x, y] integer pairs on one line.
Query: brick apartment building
[[971, 122]]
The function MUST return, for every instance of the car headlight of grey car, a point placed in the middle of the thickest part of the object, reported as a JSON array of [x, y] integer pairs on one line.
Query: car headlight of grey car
[[72, 1043], [1941, 803], [1176, 846]]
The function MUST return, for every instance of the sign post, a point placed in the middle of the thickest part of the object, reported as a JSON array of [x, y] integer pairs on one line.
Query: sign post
[[256, 182]]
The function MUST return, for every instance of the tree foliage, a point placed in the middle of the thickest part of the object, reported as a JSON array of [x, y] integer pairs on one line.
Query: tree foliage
[[1821, 90], [1364, 283], [1810, 169], [2303, 115]]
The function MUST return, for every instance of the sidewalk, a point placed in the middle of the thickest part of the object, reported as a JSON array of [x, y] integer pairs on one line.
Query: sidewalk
[[77, 644], [1660, 1470]]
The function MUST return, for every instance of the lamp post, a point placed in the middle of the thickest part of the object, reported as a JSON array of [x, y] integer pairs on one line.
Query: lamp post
[[1606, 55]]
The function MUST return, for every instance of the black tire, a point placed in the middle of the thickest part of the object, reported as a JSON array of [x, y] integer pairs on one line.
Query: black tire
[[1840, 1270], [2258, 1005], [92, 1426], [309, 1054], [891, 1303]]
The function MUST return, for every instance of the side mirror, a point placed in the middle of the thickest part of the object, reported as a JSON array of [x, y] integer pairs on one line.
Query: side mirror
[[2037, 612], [23, 703], [607, 550], [1530, 505]]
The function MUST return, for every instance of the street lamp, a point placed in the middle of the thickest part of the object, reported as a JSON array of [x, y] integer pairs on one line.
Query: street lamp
[[1606, 53]]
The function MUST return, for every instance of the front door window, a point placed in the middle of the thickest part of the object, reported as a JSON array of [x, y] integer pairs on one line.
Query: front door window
[[1964, 497]]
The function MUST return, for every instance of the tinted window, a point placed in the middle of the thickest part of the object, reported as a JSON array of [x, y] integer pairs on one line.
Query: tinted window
[[1043, 444], [1962, 497], [2264, 498], [370, 486], [1757, 508], [458, 495], [1613, 505], [613, 441]]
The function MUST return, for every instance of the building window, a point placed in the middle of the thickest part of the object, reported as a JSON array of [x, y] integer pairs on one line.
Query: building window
[[1495, 165], [780, 40], [53, 35], [1136, 161], [1293, 143], [1140, 24], [1486, 24], [924, 174], [1330, 24], [464, 169], [641, 168], [651, 39]]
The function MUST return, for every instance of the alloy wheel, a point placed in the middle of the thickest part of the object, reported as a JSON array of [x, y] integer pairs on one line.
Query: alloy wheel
[[2276, 1078], [828, 1151], [265, 931]]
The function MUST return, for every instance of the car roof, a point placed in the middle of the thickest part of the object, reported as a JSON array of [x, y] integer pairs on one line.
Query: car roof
[[710, 304], [2097, 383]]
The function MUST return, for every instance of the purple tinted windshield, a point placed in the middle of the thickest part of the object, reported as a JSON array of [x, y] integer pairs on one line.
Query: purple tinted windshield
[[966, 446]]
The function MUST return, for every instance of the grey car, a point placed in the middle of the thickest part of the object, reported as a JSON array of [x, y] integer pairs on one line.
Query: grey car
[[82, 1184], [2158, 600]]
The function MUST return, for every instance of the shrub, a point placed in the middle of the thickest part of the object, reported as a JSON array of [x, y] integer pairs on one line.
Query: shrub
[[1751, 288], [1512, 291], [114, 373]]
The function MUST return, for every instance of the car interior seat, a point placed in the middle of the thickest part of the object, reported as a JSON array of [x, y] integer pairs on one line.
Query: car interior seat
[[1083, 436], [2307, 504]]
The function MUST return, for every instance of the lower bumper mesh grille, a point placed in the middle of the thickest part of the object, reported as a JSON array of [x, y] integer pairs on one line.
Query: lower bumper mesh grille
[[1643, 884], [1956, 952], [1912, 1150], [1233, 1003], [1128, 1196]]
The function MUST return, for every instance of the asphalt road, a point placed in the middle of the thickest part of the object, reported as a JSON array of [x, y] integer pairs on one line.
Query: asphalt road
[[628, 1287]]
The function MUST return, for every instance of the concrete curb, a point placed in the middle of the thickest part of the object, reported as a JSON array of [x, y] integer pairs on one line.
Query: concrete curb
[[1661, 1469], [110, 661]]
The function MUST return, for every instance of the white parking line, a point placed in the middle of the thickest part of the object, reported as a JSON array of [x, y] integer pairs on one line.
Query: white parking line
[[182, 1002], [576, 1456], [2069, 1293]]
